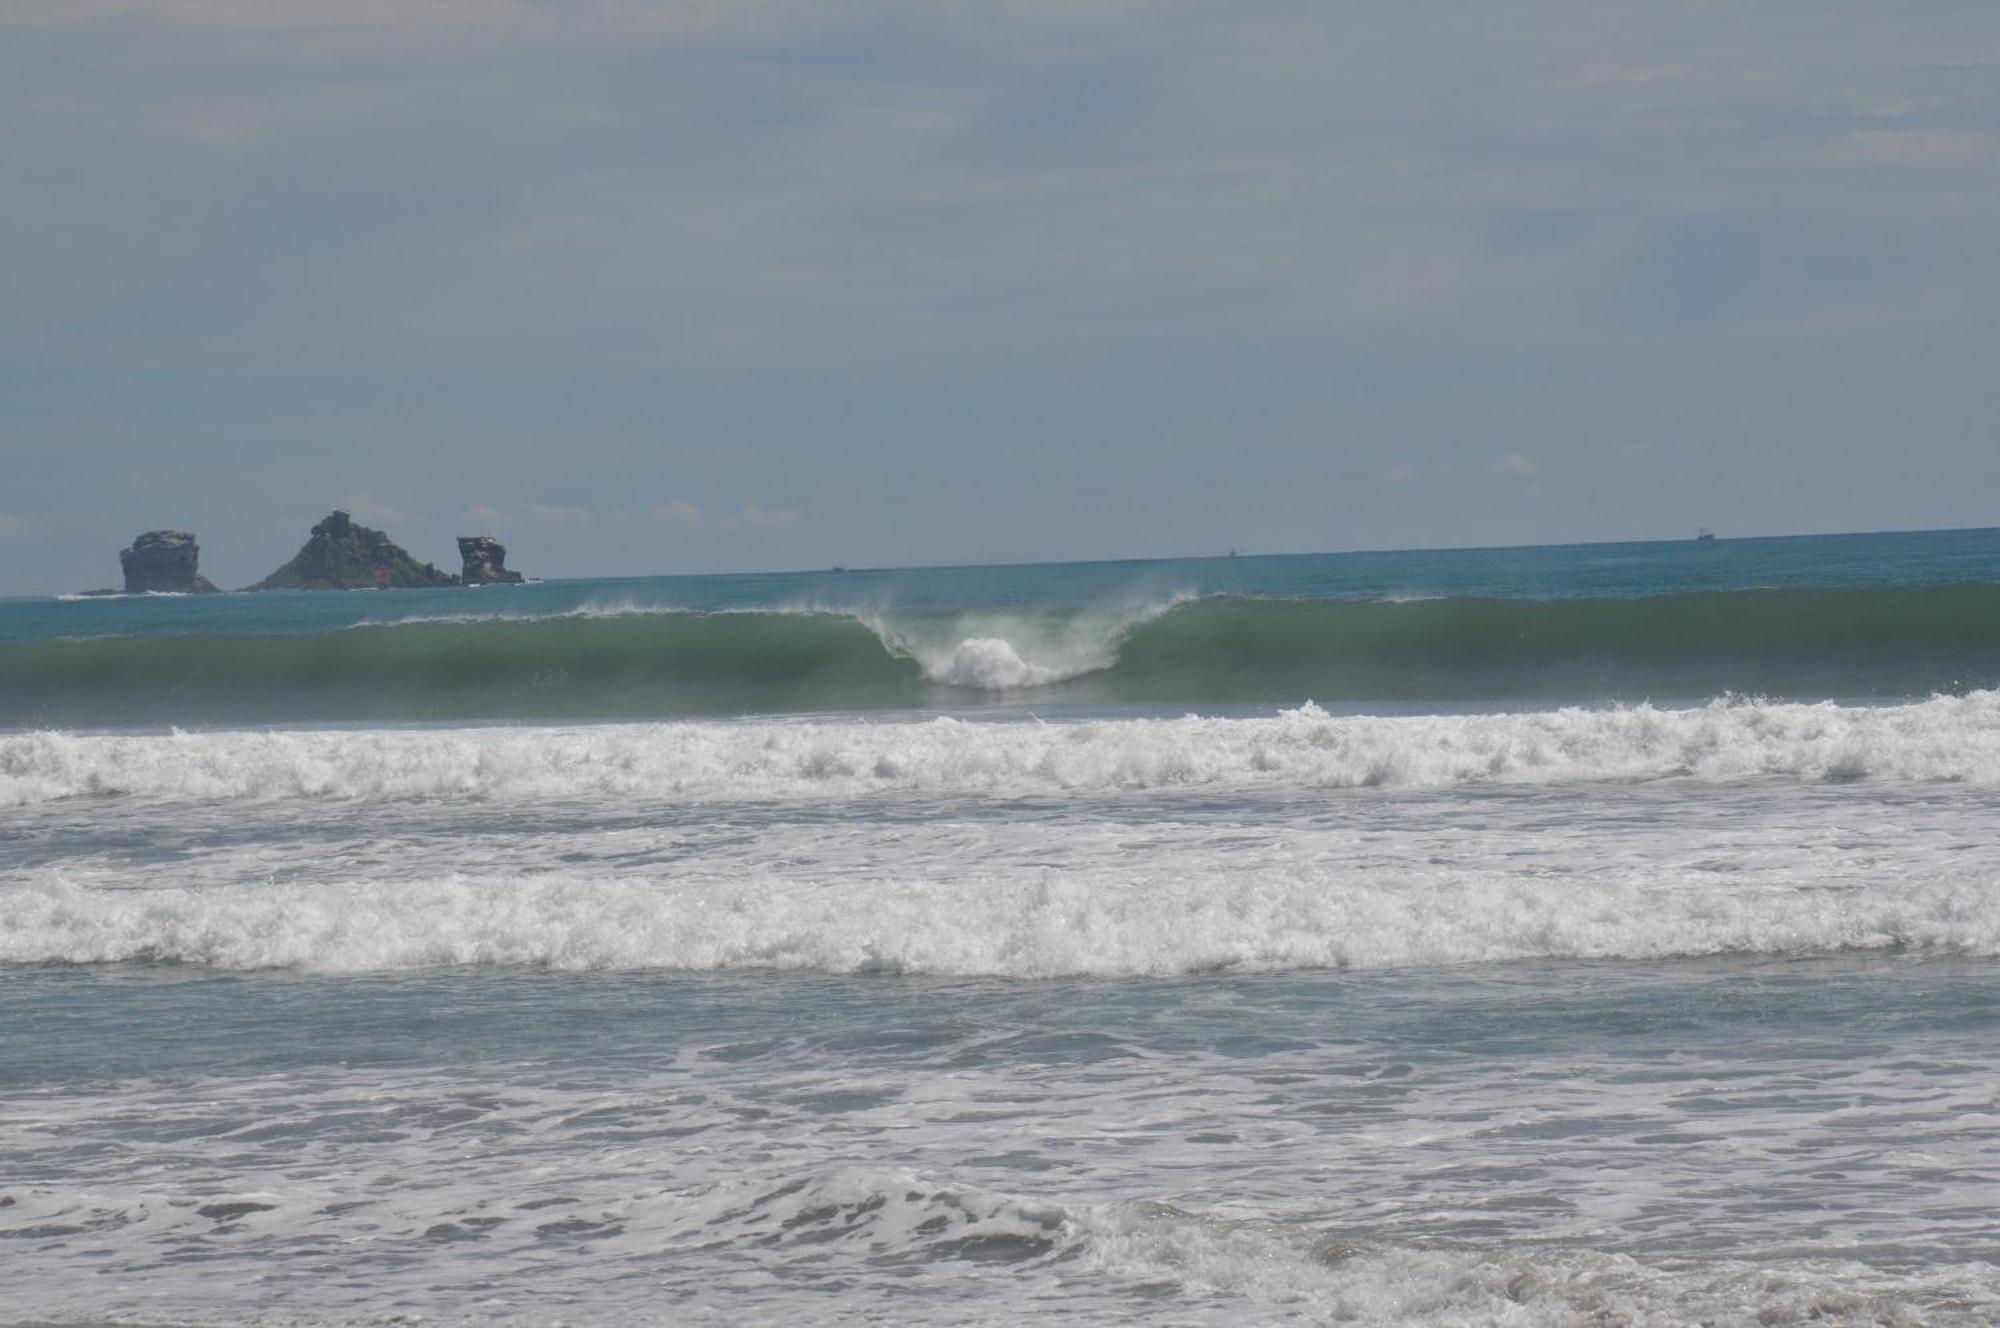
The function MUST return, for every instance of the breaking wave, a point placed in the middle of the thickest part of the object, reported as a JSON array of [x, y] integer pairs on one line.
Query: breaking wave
[[1061, 924], [1946, 739], [1800, 644]]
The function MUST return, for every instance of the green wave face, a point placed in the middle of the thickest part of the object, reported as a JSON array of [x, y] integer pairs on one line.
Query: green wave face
[[1800, 644], [1782, 644], [638, 666]]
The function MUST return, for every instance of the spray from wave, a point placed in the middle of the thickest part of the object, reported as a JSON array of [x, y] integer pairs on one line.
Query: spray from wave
[[1000, 651]]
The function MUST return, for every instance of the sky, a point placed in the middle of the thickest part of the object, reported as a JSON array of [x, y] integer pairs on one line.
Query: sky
[[717, 285]]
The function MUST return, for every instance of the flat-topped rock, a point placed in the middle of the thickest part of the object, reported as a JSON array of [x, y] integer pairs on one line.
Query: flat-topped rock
[[342, 555], [485, 561], [164, 562]]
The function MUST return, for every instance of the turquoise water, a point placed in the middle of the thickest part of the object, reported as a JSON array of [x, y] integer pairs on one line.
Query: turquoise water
[[1546, 936]]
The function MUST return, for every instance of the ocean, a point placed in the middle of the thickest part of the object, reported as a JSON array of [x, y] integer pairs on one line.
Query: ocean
[[1593, 935]]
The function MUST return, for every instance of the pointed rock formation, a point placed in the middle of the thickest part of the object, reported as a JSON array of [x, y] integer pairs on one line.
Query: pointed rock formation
[[485, 562], [164, 561], [344, 556]]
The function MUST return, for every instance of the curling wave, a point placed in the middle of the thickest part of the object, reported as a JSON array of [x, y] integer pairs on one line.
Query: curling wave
[[1796, 644]]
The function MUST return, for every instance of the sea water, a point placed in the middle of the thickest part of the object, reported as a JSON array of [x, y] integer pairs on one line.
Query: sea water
[[1603, 935]]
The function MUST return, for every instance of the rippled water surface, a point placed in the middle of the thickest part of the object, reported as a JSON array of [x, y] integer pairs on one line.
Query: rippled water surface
[[1526, 1143]]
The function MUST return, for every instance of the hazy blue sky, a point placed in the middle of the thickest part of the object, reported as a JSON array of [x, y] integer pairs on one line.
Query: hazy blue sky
[[730, 285]]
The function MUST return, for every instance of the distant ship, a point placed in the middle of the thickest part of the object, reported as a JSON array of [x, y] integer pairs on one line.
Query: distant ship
[[1704, 534]]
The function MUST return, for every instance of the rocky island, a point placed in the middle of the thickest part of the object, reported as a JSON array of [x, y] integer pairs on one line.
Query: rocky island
[[344, 556], [485, 561], [340, 555], [164, 562]]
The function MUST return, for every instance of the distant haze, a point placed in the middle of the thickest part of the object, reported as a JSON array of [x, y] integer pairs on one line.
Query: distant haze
[[685, 287]]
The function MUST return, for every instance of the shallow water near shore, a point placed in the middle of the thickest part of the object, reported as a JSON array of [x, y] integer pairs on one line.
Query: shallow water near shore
[[991, 998], [1530, 1142]]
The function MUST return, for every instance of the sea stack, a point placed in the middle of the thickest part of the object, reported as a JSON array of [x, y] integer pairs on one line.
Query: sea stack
[[164, 562], [344, 556], [485, 562]]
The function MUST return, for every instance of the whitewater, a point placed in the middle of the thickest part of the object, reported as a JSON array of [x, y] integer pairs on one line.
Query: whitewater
[[1512, 937], [1951, 739]]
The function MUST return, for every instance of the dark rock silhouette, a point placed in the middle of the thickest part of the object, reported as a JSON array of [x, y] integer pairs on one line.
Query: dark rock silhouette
[[164, 561], [344, 556], [485, 562]]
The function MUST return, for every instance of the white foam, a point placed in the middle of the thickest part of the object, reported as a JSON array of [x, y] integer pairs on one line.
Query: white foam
[[946, 1251], [997, 650], [1224, 1268], [1154, 921], [1953, 739], [1336, 1281], [594, 609], [80, 596], [993, 664]]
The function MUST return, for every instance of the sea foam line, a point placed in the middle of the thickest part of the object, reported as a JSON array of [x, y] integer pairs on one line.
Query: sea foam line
[[1944, 739], [1055, 925]]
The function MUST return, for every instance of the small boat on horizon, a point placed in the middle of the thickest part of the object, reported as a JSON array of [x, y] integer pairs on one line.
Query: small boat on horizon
[[1704, 534]]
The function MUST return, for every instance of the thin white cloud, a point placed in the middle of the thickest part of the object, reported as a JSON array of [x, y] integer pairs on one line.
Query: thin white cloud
[[601, 18], [370, 512], [1629, 76], [1640, 449], [1515, 465], [480, 519], [1913, 149], [680, 515], [273, 15], [561, 516], [753, 517], [554, 518], [1407, 472], [1910, 305], [679, 512], [19, 528]]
